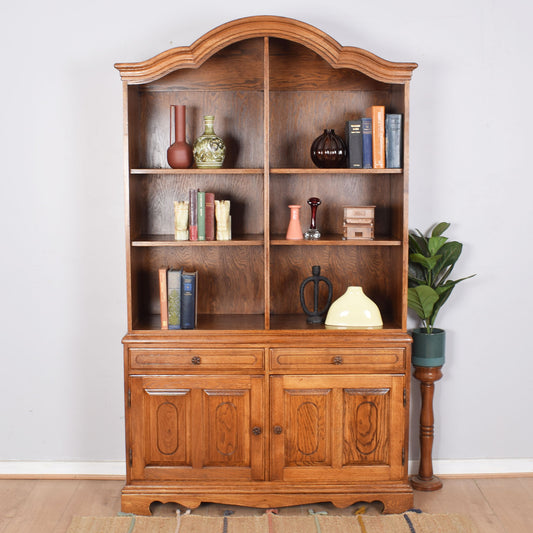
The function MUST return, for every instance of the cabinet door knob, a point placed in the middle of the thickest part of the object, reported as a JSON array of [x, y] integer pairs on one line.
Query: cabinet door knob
[[256, 430], [277, 430], [196, 360], [337, 360]]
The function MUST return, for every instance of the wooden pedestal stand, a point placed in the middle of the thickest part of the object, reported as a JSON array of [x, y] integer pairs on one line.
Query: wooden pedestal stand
[[425, 480]]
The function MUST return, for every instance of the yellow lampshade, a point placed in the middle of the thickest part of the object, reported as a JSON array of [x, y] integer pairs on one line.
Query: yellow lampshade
[[354, 310]]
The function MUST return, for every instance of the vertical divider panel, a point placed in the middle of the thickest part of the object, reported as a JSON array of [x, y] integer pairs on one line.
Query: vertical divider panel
[[266, 176]]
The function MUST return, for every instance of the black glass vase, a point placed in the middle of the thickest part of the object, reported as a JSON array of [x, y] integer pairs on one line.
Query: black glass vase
[[328, 150]]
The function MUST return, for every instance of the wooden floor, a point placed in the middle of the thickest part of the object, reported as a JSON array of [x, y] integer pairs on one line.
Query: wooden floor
[[496, 505]]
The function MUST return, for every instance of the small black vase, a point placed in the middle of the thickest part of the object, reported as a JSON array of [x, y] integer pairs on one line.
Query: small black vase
[[328, 150]]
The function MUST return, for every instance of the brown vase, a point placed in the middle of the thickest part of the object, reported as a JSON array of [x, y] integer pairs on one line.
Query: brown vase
[[328, 150], [179, 154]]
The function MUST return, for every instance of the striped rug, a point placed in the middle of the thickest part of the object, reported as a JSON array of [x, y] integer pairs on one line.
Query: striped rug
[[270, 522]]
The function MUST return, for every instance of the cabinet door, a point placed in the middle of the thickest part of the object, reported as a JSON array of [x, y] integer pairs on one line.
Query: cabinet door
[[196, 427], [338, 428]]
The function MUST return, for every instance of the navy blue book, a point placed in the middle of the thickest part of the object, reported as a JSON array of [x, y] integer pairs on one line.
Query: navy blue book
[[174, 298], [354, 141], [393, 140], [188, 299], [366, 126]]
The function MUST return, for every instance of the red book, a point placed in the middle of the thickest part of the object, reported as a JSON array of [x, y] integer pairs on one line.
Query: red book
[[193, 214], [209, 216], [377, 114]]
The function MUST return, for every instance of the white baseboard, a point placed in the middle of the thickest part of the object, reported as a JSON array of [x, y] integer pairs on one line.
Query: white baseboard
[[66, 469], [88, 469], [477, 467]]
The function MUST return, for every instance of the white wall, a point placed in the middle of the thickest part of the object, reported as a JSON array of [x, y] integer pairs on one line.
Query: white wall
[[62, 268]]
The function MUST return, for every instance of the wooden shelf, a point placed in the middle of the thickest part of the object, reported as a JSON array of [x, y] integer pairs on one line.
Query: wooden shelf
[[200, 171], [286, 322], [207, 323], [334, 240], [310, 171], [168, 240], [314, 170]]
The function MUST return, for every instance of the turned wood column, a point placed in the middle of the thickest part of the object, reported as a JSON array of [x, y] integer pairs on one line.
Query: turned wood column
[[425, 480]]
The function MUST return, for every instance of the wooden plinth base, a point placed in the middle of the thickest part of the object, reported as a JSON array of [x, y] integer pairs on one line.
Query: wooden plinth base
[[396, 497], [433, 483]]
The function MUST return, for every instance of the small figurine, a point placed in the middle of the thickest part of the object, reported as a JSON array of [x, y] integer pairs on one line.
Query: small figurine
[[316, 316], [222, 209], [312, 233], [181, 218]]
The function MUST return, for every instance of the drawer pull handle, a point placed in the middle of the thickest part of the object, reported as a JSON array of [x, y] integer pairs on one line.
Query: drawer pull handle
[[256, 430], [337, 360], [277, 430], [196, 360]]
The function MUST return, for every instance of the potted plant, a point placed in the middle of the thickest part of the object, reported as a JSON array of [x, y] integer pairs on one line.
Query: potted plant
[[432, 258]]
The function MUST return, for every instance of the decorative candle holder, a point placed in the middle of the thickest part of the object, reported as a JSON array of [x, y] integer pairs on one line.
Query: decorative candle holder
[[316, 315], [294, 231], [312, 233]]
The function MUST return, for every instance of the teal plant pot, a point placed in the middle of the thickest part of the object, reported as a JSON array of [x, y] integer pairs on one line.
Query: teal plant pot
[[428, 348]]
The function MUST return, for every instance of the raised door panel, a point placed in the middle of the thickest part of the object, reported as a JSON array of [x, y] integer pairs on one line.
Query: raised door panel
[[338, 428], [196, 427]]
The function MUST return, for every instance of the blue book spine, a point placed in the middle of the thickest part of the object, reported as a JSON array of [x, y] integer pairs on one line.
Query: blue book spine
[[366, 126], [393, 140], [188, 300]]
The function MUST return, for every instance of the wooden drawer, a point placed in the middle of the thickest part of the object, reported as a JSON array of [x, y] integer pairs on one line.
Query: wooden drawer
[[196, 359], [332, 360]]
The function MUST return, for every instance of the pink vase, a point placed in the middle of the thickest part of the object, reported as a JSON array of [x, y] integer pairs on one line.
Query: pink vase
[[294, 231], [179, 154]]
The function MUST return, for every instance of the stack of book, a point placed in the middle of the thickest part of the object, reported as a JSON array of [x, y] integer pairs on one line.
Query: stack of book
[[178, 296], [359, 222], [375, 141]]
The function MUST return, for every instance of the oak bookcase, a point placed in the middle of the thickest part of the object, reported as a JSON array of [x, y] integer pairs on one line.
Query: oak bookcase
[[256, 407]]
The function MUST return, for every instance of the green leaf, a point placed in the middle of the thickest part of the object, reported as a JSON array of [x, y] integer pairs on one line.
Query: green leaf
[[417, 244], [444, 292], [449, 254], [422, 299], [440, 228], [435, 244], [427, 262]]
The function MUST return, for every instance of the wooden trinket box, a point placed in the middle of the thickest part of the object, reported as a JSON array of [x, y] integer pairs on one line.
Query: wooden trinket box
[[358, 222]]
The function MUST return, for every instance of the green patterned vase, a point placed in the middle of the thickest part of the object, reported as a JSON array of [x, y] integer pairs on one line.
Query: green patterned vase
[[209, 150]]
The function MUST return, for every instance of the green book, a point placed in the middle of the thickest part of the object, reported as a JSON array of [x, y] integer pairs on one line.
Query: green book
[[201, 215], [174, 298]]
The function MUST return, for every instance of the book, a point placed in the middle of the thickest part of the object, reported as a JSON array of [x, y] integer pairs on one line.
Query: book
[[393, 140], [188, 299], [366, 127], [377, 114], [354, 141], [174, 298], [209, 216], [201, 215], [163, 297], [193, 214]]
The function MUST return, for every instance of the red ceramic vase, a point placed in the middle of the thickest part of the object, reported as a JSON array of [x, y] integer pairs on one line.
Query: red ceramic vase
[[179, 154]]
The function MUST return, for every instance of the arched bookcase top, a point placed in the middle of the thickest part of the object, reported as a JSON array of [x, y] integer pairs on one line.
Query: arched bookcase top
[[266, 26]]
